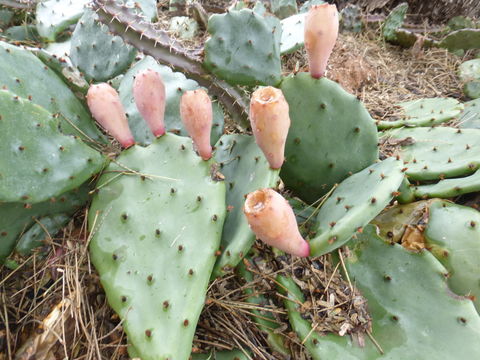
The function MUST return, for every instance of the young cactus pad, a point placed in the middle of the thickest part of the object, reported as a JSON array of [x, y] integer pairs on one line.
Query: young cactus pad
[[156, 223], [99, 55], [244, 48], [175, 85], [414, 314], [245, 169], [436, 152], [24, 74], [356, 201], [453, 237], [37, 161], [331, 136], [449, 187], [425, 112]]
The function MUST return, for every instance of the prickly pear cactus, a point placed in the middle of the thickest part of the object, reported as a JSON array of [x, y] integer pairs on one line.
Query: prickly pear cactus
[[438, 152], [54, 16], [470, 117], [469, 73], [356, 201], [24, 74], [16, 218], [283, 8], [425, 112], [351, 19], [453, 237], [331, 136], [245, 169], [45, 227], [394, 21], [292, 33], [37, 161], [244, 48], [175, 85], [156, 223], [414, 316], [449, 187], [463, 39], [99, 55]]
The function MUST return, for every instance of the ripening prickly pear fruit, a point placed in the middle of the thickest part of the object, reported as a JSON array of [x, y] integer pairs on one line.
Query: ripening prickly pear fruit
[[197, 115], [105, 106], [270, 123], [272, 220], [321, 31], [149, 95]]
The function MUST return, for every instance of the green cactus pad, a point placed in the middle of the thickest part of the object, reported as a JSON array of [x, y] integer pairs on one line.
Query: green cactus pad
[[263, 318], [54, 16], [38, 162], [331, 136], [283, 8], [99, 55], [16, 218], [438, 152], [356, 201], [246, 170], [259, 8], [24, 74], [244, 48], [394, 21], [175, 85], [62, 66], [44, 228], [453, 237], [414, 314], [425, 112], [464, 39], [469, 73], [449, 187], [157, 222], [351, 19], [470, 117], [292, 33], [407, 194], [22, 33], [147, 8]]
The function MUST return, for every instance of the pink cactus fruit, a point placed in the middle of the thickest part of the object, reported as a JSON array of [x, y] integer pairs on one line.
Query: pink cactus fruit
[[149, 95], [270, 123], [272, 220], [197, 115], [105, 106], [321, 31]]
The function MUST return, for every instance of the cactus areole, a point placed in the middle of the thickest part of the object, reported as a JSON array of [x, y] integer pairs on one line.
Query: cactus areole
[[272, 219], [321, 31], [270, 123]]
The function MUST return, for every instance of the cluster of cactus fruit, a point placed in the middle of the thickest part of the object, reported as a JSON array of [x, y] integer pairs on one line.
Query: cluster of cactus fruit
[[169, 213]]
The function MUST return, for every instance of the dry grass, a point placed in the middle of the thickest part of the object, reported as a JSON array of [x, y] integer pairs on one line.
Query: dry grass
[[84, 327]]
